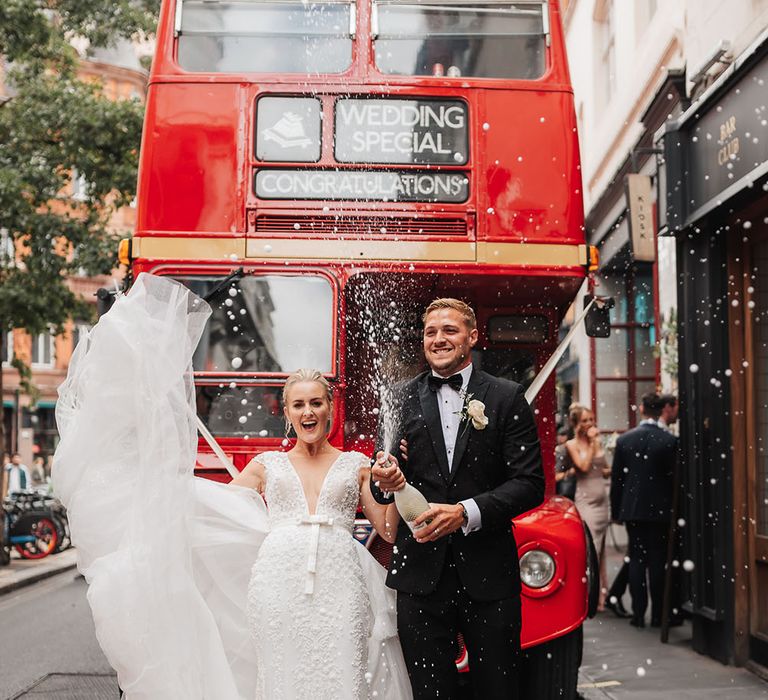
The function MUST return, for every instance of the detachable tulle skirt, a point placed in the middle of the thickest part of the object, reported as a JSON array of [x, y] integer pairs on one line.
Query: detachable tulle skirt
[[168, 556]]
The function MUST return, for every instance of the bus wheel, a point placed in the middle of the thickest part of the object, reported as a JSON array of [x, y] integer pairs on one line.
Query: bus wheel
[[550, 671]]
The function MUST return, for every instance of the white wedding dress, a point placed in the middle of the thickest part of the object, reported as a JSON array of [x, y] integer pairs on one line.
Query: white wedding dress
[[198, 590]]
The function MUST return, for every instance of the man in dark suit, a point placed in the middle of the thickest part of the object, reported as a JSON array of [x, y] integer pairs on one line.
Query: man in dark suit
[[473, 451], [641, 497]]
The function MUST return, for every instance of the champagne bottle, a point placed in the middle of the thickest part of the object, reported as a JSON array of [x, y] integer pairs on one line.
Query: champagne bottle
[[410, 503]]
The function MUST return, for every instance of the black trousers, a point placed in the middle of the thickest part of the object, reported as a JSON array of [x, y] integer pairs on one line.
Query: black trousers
[[428, 626], [647, 557], [619, 586]]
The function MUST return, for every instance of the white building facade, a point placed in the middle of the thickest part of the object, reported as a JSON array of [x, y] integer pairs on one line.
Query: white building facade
[[677, 91]]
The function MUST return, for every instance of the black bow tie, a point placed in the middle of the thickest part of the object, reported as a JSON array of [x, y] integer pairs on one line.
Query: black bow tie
[[454, 382]]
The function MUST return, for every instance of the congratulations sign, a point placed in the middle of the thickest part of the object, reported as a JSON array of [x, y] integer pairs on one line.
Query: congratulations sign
[[401, 131], [386, 185]]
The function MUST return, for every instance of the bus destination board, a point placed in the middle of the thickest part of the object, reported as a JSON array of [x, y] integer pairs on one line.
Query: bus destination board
[[381, 185], [425, 132]]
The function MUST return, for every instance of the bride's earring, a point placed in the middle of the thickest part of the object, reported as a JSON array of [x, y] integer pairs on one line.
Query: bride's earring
[[288, 427]]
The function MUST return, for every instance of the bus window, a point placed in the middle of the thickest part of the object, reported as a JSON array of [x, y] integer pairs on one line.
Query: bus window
[[266, 324], [461, 39], [515, 364], [255, 411], [250, 36], [527, 330]]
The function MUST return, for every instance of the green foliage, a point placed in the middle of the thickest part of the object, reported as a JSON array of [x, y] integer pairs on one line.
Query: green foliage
[[667, 349], [51, 124]]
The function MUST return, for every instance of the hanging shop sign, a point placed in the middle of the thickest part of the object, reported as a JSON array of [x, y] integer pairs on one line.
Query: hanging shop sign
[[640, 206]]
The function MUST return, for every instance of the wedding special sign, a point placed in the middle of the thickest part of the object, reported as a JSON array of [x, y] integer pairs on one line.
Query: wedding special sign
[[367, 131], [428, 132]]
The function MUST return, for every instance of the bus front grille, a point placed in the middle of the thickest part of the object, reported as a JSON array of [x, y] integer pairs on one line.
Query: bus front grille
[[342, 226]]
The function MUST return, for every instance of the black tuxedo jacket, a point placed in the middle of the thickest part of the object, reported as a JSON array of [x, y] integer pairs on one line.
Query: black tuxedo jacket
[[499, 466], [642, 475]]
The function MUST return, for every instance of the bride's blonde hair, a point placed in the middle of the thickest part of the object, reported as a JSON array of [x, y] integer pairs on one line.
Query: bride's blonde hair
[[307, 375]]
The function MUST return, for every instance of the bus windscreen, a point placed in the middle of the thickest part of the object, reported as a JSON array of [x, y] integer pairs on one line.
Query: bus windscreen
[[265, 324]]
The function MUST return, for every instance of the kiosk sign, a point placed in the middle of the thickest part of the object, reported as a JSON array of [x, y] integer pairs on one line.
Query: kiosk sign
[[426, 132]]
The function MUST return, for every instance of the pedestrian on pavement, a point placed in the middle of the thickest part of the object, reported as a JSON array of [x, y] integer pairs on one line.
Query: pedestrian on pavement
[[17, 476], [38, 471], [641, 498], [669, 411], [614, 602], [565, 476], [587, 458]]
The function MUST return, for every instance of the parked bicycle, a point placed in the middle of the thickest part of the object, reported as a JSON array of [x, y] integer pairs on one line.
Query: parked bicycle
[[34, 525]]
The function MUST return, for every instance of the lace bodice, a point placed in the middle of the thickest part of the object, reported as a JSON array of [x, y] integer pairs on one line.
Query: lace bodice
[[308, 609], [338, 498]]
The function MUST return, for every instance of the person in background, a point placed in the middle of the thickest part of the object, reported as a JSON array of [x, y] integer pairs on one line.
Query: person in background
[[668, 417], [17, 476], [565, 478], [669, 411], [38, 471], [587, 458], [641, 498]]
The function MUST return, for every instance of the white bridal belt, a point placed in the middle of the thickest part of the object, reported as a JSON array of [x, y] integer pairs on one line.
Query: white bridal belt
[[315, 521]]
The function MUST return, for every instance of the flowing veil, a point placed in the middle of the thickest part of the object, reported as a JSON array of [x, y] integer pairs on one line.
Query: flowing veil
[[124, 469], [168, 556]]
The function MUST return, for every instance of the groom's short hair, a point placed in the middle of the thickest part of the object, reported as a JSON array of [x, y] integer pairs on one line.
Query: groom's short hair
[[457, 305]]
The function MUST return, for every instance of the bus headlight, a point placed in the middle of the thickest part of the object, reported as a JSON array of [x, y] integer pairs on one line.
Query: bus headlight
[[537, 568]]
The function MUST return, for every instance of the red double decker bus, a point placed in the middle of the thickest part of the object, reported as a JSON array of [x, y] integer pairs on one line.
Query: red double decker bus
[[324, 170]]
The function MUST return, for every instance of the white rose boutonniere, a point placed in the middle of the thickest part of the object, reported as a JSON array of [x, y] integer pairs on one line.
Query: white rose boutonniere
[[476, 413]]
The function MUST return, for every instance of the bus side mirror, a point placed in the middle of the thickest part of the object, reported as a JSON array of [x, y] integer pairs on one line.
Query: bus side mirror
[[104, 300], [597, 323]]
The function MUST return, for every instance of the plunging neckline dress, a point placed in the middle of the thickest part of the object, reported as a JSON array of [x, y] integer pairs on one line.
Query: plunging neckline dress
[[308, 606]]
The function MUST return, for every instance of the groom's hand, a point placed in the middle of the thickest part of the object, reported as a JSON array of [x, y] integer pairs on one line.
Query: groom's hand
[[442, 519], [386, 473]]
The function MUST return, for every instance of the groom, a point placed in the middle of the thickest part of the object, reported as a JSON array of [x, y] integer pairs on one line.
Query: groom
[[479, 467]]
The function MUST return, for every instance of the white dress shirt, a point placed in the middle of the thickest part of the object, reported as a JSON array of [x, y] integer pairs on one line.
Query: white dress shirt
[[450, 403]]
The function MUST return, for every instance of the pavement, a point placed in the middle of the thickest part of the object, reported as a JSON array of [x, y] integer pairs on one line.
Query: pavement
[[620, 662], [24, 572]]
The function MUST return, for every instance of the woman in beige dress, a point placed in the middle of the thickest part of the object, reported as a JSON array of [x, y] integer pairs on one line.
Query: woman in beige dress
[[587, 458]]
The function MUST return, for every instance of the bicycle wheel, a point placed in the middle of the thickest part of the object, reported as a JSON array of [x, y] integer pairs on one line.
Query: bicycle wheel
[[45, 538], [62, 530]]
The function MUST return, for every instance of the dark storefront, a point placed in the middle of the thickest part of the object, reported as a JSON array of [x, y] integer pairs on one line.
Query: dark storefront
[[717, 207]]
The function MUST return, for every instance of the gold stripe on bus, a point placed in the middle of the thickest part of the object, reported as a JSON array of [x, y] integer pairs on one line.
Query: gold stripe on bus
[[533, 254], [538, 254], [270, 248], [188, 248]]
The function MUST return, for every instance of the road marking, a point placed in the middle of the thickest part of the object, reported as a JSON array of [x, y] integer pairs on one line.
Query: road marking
[[599, 684]]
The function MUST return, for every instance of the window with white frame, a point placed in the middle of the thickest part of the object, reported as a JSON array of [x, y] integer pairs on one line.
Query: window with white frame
[[7, 248], [42, 350], [79, 186], [6, 347], [644, 13], [605, 54]]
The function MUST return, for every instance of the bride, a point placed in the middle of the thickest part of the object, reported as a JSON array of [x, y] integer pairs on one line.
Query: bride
[[199, 590]]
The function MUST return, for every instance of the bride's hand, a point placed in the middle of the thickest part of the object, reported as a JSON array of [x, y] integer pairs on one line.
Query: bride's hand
[[386, 473]]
